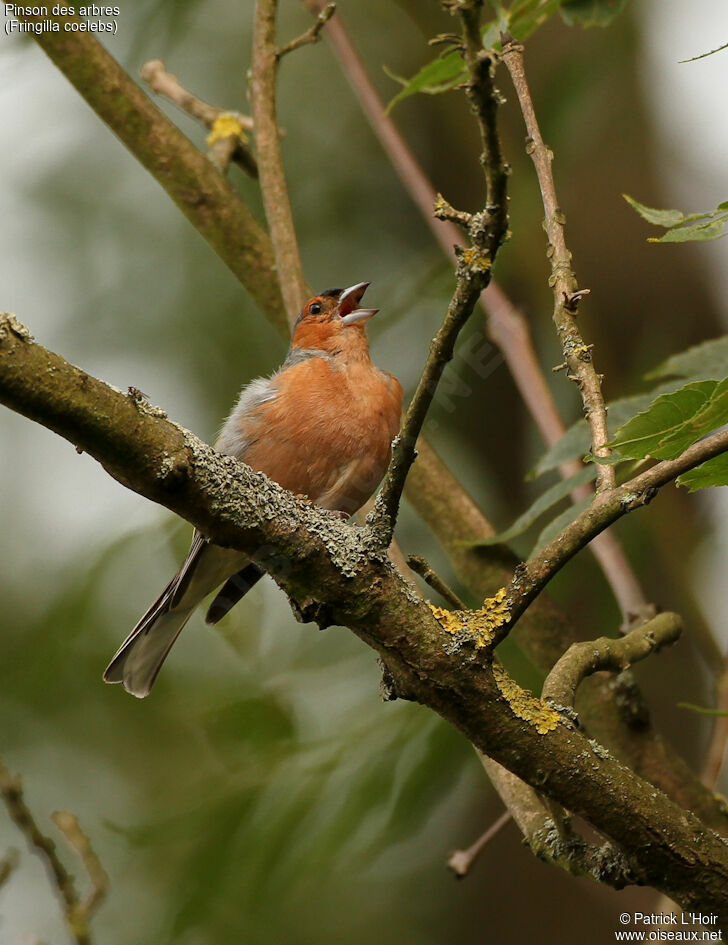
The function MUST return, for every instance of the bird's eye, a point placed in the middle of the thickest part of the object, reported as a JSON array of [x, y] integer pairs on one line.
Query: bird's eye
[[314, 308]]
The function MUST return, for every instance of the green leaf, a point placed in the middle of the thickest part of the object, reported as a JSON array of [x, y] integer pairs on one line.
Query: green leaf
[[699, 708], [525, 16], [674, 421], [542, 504], [591, 12], [448, 70], [576, 441], [440, 75], [560, 522], [714, 472], [658, 217], [706, 227], [706, 360], [700, 232]]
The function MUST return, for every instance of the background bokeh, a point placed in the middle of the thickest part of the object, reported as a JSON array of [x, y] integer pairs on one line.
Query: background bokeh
[[265, 793]]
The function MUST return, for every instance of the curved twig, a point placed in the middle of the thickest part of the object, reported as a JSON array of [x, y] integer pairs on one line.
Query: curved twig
[[615, 654]]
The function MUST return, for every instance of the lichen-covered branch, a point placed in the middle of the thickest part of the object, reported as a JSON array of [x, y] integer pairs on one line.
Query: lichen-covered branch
[[335, 575], [567, 295], [487, 231], [550, 835], [485, 100], [76, 911], [470, 280], [615, 654], [227, 140], [273, 186]]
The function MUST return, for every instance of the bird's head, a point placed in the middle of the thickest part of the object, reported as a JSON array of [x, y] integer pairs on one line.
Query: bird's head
[[333, 322]]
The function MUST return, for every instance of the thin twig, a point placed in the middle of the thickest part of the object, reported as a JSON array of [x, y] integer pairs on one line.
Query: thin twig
[[505, 325], [615, 654], [577, 355], [76, 913], [461, 861], [274, 189], [227, 141], [530, 578], [312, 34], [487, 231], [69, 826], [420, 566], [8, 865]]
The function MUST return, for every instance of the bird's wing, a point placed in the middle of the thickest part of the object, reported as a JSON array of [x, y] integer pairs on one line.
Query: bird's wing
[[237, 432]]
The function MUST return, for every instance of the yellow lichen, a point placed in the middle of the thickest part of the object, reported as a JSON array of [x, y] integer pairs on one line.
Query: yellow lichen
[[524, 704], [477, 625], [226, 125], [441, 205], [476, 259]]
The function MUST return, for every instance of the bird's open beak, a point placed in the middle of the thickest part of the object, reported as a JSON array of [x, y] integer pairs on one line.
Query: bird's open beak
[[349, 301]]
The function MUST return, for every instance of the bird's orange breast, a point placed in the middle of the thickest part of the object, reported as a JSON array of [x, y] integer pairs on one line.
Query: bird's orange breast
[[327, 432]]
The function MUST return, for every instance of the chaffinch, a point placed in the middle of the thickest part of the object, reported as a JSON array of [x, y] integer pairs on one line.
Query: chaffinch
[[321, 426]]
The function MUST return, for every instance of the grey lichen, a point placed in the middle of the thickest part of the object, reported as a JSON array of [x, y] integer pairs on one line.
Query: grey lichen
[[9, 323], [605, 863]]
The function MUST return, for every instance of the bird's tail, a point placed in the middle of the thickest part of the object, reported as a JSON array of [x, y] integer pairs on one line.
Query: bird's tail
[[140, 657]]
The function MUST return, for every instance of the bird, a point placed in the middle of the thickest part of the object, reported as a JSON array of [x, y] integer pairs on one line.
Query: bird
[[321, 426]]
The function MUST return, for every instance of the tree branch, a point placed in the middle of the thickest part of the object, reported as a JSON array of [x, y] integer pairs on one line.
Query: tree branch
[[531, 577], [618, 654], [274, 190], [227, 141], [550, 836], [505, 325], [487, 231], [333, 572], [577, 355], [195, 185]]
